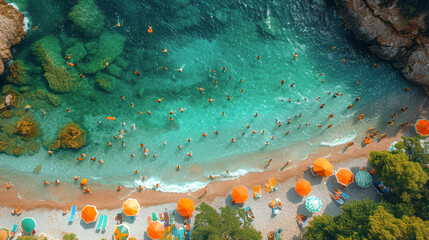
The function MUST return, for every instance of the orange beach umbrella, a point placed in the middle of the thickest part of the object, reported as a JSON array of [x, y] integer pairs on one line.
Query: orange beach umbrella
[[239, 194], [155, 230], [131, 207], [323, 167], [344, 176], [185, 207], [303, 187], [89, 214], [422, 127]]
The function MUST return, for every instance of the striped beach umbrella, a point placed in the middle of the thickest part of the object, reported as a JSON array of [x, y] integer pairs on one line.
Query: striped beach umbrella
[[131, 207], [28, 225], [122, 232], [363, 179], [5, 233], [313, 204]]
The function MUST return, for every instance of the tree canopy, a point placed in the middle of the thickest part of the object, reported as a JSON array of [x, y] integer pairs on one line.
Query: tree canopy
[[229, 224]]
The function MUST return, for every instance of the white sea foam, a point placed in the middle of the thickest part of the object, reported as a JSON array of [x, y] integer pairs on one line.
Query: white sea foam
[[340, 141], [26, 24], [187, 187]]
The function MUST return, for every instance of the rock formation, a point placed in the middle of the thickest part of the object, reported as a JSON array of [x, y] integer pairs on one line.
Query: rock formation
[[70, 136], [390, 35], [11, 31]]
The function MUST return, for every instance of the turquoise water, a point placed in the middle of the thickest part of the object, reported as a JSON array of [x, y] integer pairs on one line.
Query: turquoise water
[[200, 37]]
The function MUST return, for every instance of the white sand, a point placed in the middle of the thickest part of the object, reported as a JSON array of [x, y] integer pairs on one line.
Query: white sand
[[54, 224]]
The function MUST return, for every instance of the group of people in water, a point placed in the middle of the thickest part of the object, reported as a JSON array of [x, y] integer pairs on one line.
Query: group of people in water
[[120, 134]]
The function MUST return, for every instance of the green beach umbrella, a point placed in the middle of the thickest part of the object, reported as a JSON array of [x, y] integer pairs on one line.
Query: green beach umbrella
[[121, 232], [28, 225], [313, 204], [4, 233], [363, 179]]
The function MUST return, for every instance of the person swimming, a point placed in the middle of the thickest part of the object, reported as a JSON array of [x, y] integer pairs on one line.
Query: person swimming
[[323, 105]]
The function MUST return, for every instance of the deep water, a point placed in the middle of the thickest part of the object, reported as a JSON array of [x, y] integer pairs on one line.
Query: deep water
[[201, 36]]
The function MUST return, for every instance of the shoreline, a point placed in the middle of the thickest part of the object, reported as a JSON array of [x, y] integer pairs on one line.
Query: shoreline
[[112, 199]]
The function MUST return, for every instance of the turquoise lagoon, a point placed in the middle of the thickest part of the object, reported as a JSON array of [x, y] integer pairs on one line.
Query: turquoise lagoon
[[201, 36]]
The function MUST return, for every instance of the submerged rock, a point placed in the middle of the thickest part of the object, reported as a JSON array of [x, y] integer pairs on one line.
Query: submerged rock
[[27, 128], [105, 82], [11, 31], [87, 18], [18, 73], [48, 52], [391, 35], [70, 136]]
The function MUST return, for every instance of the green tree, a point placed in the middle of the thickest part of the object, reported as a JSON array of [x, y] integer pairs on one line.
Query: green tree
[[70, 236], [416, 150], [403, 176], [383, 225], [322, 227], [210, 225]]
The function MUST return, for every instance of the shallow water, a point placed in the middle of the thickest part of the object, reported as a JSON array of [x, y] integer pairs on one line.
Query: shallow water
[[199, 37]]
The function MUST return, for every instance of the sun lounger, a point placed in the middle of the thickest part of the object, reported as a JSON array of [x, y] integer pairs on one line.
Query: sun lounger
[[149, 219], [13, 231], [72, 213], [336, 198], [106, 221], [181, 233], [119, 218], [341, 194], [100, 222], [154, 218], [15, 211], [171, 217], [273, 185], [250, 213], [257, 191], [175, 232], [167, 220]]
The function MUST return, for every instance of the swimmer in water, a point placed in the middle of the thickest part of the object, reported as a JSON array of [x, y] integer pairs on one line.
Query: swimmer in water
[[358, 99], [295, 56], [101, 161], [281, 82], [217, 132], [177, 167], [189, 154], [223, 114], [233, 140], [256, 114], [391, 122], [136, 171], [323, 105], [393, 115], [279, 123], [180, 147], [350, 106], [211, 100], [343, 60], [404, 109], [331, 116], [287, 133], [76, 178]]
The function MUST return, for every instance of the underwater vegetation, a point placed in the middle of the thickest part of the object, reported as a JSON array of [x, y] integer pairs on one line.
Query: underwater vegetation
[[70, 136], [87, 18], [18, 73]]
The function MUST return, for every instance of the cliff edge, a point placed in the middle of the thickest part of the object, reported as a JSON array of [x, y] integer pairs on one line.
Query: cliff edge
[[391, 36], [11, 31]]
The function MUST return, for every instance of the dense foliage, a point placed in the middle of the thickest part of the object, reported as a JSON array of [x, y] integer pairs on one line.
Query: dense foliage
[[229, 224], [402, 214]]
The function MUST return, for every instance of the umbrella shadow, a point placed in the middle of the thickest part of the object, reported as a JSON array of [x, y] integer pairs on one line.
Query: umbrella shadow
[[303, 210], [293, 197], [128, 219], [314, 180], [178, 218], [87, 225]]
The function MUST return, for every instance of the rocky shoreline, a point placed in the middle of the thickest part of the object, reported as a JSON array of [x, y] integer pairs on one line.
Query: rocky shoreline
[[11, 31], [391, 36]]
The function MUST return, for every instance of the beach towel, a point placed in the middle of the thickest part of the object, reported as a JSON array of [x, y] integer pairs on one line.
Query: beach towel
[[72, 213], [100, 222], [272, 183], [105, 221], [257, 191], [175, 232], [181, 233]]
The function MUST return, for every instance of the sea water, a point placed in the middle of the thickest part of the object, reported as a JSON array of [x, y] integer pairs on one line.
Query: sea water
[[201, 36]]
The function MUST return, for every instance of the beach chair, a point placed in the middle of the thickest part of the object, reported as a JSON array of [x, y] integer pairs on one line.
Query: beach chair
[[72, 213], [175, 232], [118, 218], [257, 191], [336, 198], [13, 231], [311, 168], [100, 222], [149, 219], [171, 217], [167, 220], [154, 218], [341, 194], [250, 213], [273, 185], [105, 221], [182, 234]]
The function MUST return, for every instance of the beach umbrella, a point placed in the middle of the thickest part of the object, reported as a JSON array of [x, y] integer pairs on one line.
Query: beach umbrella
[[422, 127], [155, 230], [131, 207], [363, 179], [313, 204], [5, 233], [89, 214], [303, 187], [323, 167], [239, 194], [28, 225], [122, 232], [344, 176], [185, 207]]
